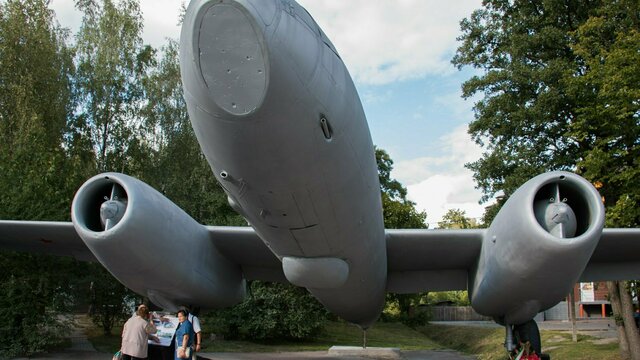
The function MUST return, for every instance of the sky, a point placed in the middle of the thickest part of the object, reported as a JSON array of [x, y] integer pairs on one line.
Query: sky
[[399, 55]]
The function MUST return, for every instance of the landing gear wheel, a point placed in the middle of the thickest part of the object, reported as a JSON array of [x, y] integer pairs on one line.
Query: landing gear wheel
[[529, 332]]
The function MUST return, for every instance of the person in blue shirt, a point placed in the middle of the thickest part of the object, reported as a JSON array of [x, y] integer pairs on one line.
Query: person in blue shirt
[[184, 334]]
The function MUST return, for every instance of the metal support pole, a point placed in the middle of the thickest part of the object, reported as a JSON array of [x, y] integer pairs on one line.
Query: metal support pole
[[508, 342]]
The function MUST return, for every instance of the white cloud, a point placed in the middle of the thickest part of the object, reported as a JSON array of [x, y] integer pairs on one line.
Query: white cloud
[[373, 97], [380, 41], [456, 149], [386, 41], [160, 19], [437, 184], [66, 14]]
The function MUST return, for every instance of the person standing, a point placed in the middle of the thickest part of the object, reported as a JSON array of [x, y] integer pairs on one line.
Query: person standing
[[135, 335], [195, 322], [184, 334]]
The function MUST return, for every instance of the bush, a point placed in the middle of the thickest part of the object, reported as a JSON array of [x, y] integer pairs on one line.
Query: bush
[[33, 297], [271, 311], [111, 302], [417, 318], [407, 309]]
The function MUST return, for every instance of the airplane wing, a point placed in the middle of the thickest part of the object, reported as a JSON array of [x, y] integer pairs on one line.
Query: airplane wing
[[418, 259], [617, 256], [241, 245], [45, 237], [430, 260], [244, 247]]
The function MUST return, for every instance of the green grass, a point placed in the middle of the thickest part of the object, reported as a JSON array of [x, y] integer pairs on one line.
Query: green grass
[[487, 343], [484, 342], [336, 333], [560, 346]]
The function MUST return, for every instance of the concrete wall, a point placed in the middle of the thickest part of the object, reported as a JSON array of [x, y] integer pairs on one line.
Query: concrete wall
[[558, 312]]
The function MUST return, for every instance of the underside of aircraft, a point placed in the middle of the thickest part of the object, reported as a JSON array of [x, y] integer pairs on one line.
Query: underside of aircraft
[[280, 122]]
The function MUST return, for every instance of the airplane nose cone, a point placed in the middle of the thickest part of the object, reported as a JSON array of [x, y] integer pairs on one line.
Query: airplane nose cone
[[111, 212], [558, 219], [108, 210], [230, 49]]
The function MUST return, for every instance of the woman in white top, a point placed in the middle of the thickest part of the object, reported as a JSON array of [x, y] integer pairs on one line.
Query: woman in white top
[[135, 335]]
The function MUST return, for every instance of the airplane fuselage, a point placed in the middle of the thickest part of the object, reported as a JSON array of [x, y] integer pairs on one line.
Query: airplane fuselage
[[280, 122]]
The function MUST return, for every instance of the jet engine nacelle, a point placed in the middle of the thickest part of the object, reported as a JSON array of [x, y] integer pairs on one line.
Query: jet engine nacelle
[[152, 246], [537, 247]]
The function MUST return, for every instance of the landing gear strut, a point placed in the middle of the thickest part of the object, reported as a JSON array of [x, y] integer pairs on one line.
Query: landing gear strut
[[522, 333]]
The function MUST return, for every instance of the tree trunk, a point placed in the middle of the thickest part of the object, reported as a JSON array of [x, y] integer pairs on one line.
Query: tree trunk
[[630, 324], [572, 316], [614, 298]]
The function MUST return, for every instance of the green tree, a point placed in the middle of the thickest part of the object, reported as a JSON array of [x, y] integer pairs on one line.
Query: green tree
[[607, 94], [523, 49], [176, 166], [456, 219], [36, 103], [458, 298], [111, 60], [398, 211], [36, 294], [608, 120], [271, 311], [561, 85], [110, 301]]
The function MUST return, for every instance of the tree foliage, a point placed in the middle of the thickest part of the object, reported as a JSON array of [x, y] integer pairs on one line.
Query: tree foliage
[[271, 311], [607, 93], [36, 100], [175, 165], [399, 212], [46, 152], [523, 49], [561, 90], [36, 291], [456, 219], [458, 298], [111, 60], [110, 301]]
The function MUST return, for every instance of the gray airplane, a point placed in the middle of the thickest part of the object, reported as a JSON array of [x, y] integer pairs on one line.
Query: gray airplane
[[280, 122]]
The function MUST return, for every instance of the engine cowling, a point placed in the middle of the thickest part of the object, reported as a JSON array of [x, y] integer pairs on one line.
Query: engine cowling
[[537, 247], [152, 246]]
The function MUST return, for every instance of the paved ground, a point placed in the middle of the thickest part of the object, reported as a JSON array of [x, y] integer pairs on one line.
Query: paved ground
[[322, 355], [82, 349]]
